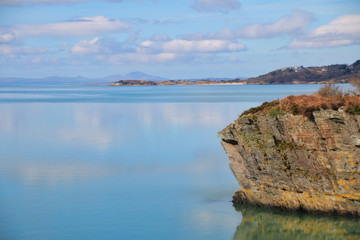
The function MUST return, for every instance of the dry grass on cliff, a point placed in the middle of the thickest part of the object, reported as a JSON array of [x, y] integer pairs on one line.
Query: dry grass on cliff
[[356, 84], [306, 104], [328, 97]]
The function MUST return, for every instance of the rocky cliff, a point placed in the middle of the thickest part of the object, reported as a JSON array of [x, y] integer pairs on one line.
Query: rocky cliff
[[296, 162]]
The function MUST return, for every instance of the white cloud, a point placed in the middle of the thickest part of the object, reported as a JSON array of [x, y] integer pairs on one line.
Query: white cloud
[[149, 51], [199, 5], [102, 46], [147, 44], [141, 57], [36, 60], [160, 38], [15, 50], [176, 46], [6, 37], [293, 24], [20, 2], [341, 31], [215, 5], [87, 47], [85, 26], [180, 46]]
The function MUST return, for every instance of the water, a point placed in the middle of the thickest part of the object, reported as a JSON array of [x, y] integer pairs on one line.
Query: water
[[87, 162]]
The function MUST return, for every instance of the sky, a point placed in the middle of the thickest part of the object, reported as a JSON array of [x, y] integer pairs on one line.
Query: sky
[[175, 39]]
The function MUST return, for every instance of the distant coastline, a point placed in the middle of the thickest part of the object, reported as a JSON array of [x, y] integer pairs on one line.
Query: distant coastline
[[337, 73], [173, 83], [209, 82]]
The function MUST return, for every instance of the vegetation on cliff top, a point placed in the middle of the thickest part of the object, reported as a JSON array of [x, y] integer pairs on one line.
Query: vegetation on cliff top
[[328, 97]]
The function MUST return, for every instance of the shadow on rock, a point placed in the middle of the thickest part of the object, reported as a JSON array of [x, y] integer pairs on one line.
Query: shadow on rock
[[259, 223]]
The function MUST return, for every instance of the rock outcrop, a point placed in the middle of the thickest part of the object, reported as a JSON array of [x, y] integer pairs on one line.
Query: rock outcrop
[[294, 162]]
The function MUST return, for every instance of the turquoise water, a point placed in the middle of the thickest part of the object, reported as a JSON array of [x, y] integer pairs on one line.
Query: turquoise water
[[90, 162]]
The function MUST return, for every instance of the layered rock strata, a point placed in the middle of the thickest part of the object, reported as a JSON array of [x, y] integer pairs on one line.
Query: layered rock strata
[[295, 162]]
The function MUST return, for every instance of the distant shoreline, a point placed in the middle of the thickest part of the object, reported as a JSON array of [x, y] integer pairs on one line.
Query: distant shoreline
[[172, 83], [125, 83], [338, 73]]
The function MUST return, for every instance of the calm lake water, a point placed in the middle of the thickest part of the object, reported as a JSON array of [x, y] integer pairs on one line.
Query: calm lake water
[[96, 162]]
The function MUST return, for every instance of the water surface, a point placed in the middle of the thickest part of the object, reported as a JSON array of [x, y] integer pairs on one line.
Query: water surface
[[87, 162]]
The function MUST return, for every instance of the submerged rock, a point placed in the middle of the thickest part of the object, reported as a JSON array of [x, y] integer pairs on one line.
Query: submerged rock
[[294, 162]]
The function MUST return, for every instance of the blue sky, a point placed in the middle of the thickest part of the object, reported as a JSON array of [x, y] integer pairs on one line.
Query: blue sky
[[174, 39]]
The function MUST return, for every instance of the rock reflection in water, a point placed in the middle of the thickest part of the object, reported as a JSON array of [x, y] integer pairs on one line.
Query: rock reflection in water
[[258, 223]]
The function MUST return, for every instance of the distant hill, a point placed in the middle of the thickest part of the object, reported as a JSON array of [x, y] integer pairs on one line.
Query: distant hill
[[216, 79], [339, 73], [79, 80], [142, 76]]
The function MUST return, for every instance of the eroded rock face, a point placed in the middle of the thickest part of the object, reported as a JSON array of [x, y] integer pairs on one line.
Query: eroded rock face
[[293, 162]]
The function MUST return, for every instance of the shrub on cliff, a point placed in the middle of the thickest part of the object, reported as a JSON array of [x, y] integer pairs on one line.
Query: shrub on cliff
[[330, 90], [307, 104], [329, 96], [263, 107], [356, 84]]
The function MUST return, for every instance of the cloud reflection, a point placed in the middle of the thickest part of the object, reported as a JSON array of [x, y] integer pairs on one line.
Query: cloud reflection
[[213, 218], [110, 139], [87, 127], [196, 114], [11, 120], [95, 123], [104, 126], [37, 173], [52, 173]]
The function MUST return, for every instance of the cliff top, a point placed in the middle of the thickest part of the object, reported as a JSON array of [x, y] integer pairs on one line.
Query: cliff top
[[328, 97]]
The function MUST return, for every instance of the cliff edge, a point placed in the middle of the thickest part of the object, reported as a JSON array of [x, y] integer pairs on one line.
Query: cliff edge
[[294, 161]]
